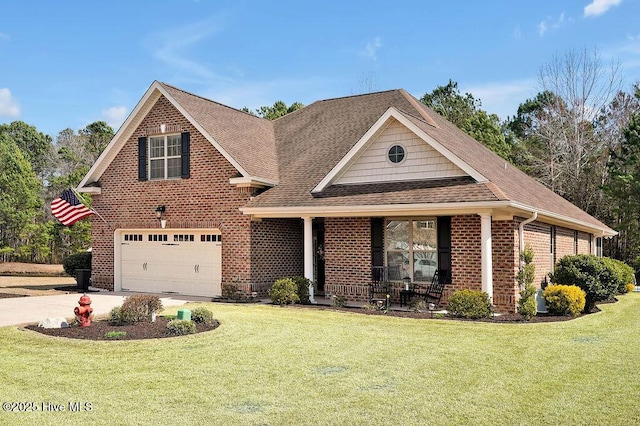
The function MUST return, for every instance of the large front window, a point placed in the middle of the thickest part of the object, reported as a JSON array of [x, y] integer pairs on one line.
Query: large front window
[[164, 157], [411, 249]]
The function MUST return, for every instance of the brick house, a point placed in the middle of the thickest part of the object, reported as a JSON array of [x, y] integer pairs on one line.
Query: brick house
[[195, 195]]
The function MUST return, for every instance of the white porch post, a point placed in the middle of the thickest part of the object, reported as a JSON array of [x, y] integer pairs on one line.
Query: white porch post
[[308, 254], [487, 257]]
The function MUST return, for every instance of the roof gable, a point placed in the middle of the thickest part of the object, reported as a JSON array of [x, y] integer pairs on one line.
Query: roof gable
[[238, 136], [432, 159]]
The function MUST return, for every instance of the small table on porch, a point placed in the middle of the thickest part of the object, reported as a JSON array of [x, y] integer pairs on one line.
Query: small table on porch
[[406, 295]]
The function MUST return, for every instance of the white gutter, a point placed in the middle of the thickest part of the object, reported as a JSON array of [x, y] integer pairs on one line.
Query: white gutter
[[521, 235]]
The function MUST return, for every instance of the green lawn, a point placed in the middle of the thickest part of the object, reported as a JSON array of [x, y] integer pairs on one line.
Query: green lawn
[[271, 365]]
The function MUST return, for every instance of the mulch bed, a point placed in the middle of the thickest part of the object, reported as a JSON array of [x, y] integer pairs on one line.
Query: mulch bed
[[98, 329], [499, 318]]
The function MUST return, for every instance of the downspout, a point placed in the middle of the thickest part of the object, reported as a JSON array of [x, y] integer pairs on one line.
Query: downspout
[[521, 237]]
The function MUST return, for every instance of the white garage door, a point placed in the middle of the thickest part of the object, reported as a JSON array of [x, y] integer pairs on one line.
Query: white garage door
[[179, 261]]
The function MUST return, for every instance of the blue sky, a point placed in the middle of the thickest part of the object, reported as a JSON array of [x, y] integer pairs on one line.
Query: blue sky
[[66, 64]]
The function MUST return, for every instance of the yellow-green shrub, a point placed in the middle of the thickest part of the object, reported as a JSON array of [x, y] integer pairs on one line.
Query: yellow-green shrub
[[630, 287], [564, 299]]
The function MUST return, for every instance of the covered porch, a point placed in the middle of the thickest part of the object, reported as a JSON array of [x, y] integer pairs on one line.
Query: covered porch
[[358, 251]]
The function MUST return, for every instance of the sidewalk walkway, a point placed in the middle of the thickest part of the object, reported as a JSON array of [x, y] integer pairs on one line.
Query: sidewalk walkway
[[26, 310]]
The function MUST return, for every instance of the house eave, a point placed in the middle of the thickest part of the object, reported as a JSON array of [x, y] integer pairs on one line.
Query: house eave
[[500, 210], [251, 182]]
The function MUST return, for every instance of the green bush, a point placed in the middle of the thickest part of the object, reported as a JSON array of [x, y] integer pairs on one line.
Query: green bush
[[179, 327], [230, 291], [527, 273], [81, 260], [201, 315], [564, 299], [622, 272], [472, 304], [284, 291], [590, 273], [527, 306], [136, 308], [340, 301], [302, 284]]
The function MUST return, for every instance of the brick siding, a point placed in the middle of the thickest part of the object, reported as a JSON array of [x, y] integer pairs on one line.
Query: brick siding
[[347, 245], [276, 251], [205, 200]]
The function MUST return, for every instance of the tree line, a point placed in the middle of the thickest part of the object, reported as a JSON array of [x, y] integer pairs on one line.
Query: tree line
[[579, 136], [35, 170]]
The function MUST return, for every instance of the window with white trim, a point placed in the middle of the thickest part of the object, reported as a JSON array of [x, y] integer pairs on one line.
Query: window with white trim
[[411, 249], [165, 157]]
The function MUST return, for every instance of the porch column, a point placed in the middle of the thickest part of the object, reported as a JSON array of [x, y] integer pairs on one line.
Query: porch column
[[487, 257], [308, 254]]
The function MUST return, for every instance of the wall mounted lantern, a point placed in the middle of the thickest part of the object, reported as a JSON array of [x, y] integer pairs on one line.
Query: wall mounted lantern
[[160, 210]]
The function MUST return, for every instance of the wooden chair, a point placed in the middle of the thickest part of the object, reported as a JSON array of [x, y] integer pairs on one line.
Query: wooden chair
[[379, 287], [433, 293]]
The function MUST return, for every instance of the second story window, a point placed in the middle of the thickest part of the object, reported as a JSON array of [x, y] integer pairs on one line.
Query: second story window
[[165, 157]]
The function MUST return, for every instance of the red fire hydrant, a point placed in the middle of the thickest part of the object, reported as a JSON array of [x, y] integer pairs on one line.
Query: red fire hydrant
[[83, 312]]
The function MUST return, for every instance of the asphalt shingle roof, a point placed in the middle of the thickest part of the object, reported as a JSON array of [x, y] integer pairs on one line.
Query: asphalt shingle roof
[[298, 150]]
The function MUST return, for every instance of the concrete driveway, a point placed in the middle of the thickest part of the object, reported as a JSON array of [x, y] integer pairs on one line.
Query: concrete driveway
[[45, 300], [27, 310]]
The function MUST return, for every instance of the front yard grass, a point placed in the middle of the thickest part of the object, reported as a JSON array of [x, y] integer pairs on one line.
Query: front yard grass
[[272, 365]]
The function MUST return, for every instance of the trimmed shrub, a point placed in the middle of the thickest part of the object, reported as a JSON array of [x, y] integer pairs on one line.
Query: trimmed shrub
[[473, 304], [201, 315], [136, 308], [564, 299], [588, 272], [303, 288], [284, 291], [527, 306], [179, 327], [527, 274], [230, 291], [623, 273], [80, 260], [341, 301]]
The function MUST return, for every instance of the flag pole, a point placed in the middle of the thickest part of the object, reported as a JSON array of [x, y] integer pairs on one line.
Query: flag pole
[[84, 203]]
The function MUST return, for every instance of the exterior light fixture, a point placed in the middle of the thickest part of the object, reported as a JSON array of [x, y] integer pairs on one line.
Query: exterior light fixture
[[160, 210]]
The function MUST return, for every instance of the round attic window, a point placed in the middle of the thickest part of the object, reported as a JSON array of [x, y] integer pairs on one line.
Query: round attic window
[[396, 154]]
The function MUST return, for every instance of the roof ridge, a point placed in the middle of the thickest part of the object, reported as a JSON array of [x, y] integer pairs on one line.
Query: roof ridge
[[419, 106], [210, 100], [356, 95]]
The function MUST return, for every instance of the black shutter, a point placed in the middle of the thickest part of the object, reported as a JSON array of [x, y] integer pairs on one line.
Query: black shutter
[[142, 158], [377, 249], [377, 238], [444, 248], [186, 150]]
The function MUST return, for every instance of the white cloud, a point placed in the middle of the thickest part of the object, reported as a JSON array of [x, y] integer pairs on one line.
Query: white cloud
[[542, 28], [115, 116], [8, 105], [371, 50], [172, 47], [551, 24], [598, 7], [503, 98]]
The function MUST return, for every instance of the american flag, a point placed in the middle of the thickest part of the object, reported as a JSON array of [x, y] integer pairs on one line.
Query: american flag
[[68, 209]]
